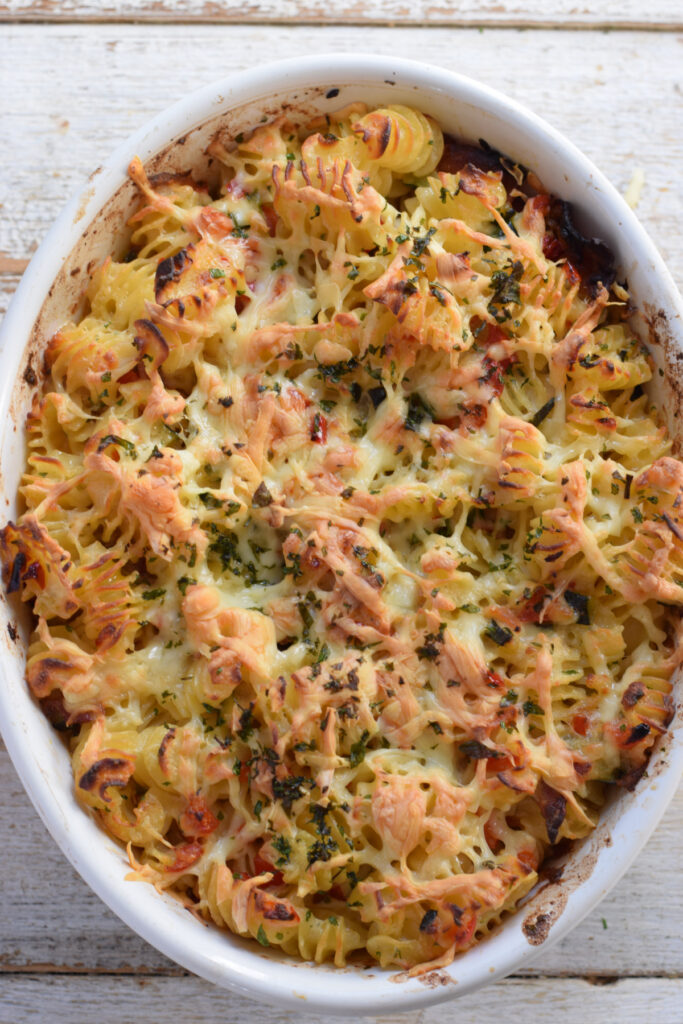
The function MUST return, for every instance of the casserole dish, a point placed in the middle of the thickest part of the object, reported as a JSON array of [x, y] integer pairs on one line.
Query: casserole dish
[[80, 240]]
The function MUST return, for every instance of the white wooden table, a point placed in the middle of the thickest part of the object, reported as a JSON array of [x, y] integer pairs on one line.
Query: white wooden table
[[75, 78]]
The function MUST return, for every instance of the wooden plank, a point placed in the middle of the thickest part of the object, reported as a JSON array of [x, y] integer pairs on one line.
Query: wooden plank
[[592, 86], [65, 121], [600, 14], [8, 284], [62, 1000], [50, 920]]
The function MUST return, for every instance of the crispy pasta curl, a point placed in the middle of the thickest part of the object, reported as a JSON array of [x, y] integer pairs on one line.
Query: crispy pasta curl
[[353, 540]]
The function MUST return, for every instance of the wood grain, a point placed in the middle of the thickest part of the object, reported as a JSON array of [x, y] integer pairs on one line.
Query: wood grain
[[565, 13], [188, 1000], [593, 87], [50, 918], [72, 92], [8, 285]]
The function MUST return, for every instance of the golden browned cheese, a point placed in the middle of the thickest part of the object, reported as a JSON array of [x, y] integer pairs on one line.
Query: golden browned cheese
[[353, 539]]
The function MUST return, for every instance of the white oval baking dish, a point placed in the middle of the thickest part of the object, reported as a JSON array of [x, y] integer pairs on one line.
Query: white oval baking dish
[[83, 234]]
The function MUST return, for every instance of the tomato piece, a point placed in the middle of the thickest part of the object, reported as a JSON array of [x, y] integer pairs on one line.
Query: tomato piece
[[580, 724], [493, 373], [528, 859], [270, 217], [571, 273], [197, 819], [475, 413], [541, 202], [531, 608], [553, 248], [466, 929], [261, 866], [130, 376], [493, 335], [185, 856], [319, 429], [494, 680]]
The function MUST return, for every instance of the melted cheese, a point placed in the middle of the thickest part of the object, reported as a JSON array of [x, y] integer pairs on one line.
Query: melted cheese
[[348, 530]]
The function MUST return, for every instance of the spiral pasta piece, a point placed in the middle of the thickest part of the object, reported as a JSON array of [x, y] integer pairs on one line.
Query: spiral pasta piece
[[402, 139], [353, 540]]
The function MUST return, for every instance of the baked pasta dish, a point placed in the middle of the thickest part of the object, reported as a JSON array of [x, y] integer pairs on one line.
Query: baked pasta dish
[[353, 541]]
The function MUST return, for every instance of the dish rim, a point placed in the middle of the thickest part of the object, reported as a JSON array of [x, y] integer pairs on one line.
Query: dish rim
[[251, 971]]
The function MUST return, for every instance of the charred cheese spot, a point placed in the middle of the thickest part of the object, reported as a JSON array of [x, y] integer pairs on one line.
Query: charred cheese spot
[[352, 537]]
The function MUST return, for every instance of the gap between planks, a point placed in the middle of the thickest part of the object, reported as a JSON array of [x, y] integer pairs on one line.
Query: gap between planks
[[658, 902], [660, 15], [239, 20], [35, 1000], [60, 971], [108, 80], [73, 932]]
